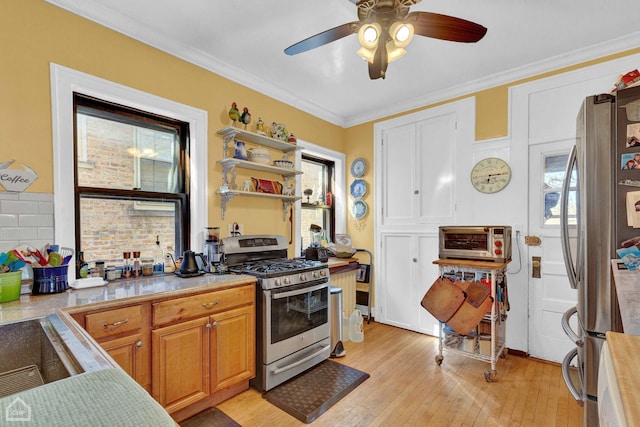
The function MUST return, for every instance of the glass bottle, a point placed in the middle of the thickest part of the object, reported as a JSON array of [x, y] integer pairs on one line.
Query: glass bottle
[[82, 268]]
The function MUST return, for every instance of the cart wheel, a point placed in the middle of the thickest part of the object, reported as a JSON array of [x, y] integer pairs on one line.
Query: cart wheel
[[504, 353], [439, 360], [490, 376]]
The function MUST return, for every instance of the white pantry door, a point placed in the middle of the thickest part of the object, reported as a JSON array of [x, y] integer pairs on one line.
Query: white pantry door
[[549, 295]]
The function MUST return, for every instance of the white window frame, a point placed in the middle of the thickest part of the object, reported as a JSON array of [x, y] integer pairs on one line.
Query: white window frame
[[64, 82], [339, 160]]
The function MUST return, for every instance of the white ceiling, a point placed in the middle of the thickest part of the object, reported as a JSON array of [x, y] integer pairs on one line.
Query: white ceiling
[[243, 40]]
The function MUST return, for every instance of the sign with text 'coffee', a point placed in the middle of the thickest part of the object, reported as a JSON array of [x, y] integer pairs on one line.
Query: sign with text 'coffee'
[[16, 180]]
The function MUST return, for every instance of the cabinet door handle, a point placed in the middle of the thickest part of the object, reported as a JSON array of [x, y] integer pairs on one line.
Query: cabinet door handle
[[139, 344], [115, 324], [211, 325], [210, 304]]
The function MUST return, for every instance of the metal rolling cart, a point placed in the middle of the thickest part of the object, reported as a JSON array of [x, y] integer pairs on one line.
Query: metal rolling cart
[[367, 279], [494, 275]]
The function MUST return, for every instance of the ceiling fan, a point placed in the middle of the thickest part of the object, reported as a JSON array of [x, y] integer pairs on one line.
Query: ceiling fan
[[386, 27]]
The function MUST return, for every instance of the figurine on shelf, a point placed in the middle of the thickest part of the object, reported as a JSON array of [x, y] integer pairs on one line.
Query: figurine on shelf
[[260, 129], [234, 114], [279, 131], [293, 139], [245, 117]]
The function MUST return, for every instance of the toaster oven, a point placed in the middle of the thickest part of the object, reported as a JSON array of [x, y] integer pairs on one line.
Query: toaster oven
[[487, 243]]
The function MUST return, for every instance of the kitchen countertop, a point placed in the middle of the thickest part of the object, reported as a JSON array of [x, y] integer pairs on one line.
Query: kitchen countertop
[[625, 351], [102, 396], [627, 284], [115, 292]]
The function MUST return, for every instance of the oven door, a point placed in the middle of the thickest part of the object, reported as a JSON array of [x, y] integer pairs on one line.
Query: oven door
[[295, 317]]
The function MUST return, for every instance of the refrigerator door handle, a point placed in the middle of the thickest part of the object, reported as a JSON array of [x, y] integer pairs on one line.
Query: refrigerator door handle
[[564, 221], [567, 328], [566, 376]]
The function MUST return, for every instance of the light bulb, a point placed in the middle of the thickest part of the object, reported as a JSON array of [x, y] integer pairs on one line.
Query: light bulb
[[370, 35]]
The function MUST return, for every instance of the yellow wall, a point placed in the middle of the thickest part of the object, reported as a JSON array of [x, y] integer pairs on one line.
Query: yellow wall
[[35, 33]]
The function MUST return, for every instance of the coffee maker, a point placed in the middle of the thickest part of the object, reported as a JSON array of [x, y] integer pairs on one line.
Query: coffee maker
[[315, 251], [214, 250]]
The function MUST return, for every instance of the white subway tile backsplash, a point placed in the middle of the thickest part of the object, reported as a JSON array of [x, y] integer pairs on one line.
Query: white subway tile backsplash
[[8, 245], [25, 218], [36, 220], [46, 197], [19, 233], [8, 220], [46, 233], [45, 208], [9, 196], [19, 207]]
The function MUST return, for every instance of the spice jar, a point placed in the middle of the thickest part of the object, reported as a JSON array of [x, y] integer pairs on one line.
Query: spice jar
[[147, 267]]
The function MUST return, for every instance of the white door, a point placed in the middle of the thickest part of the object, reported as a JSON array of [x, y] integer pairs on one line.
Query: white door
[[549, 294]]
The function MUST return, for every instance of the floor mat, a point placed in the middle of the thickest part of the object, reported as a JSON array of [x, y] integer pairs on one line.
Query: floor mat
[[212, 417], [311, 393]]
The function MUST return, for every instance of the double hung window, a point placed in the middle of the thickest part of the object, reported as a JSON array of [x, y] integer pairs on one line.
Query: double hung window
[[131, 180]]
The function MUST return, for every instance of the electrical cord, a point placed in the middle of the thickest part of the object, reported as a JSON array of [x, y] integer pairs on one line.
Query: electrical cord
[[519, 254]]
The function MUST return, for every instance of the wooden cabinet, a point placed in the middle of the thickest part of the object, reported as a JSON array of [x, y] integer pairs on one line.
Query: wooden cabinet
[[194, 358], [124, 334], [230, 188], [232, 346], [189, 352], [181, 364]]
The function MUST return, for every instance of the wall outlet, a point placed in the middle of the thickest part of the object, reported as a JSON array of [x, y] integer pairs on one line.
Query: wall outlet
[[235, 229]]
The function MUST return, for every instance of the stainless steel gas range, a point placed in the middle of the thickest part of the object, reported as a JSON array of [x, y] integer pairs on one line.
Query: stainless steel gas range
[[292, 301]]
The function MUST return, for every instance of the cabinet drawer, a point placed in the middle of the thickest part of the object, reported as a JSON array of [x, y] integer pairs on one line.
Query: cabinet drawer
[[114, 322], [201, 305]]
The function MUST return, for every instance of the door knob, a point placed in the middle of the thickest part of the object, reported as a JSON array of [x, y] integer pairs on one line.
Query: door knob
[[536, 261]]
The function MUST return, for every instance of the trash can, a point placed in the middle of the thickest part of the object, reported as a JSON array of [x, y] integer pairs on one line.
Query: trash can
[[336, 322]]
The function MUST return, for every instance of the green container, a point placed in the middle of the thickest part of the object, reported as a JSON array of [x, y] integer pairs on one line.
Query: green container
[[10, 284]]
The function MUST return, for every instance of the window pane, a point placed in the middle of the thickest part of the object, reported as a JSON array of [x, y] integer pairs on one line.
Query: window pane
[[314, 178], [316, 182], [554, 173], [119, 155], [109, 227]]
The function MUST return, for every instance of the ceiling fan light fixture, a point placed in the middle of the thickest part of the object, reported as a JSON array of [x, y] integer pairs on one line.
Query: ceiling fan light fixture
[[393, 52], [366, 54], [401, 33], [369, 34]]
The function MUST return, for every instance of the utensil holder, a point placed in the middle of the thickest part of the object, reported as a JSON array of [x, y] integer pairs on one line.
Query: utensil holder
[[49, 280]]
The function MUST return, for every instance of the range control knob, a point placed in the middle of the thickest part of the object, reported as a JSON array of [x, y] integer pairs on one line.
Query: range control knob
[[323, 273], [287, 280], [498, 251], [498, 243], [303, 277], [277, 282]]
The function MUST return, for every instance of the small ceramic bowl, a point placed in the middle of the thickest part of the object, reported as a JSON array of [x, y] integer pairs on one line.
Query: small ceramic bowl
[[259, 155], [283, 163]]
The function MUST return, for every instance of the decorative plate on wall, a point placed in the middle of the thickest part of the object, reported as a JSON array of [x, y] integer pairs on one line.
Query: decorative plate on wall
[[358, 188], [358, 167], [359, 209]]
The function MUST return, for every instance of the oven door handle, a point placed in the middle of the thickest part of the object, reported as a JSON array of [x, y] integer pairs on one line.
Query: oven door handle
[[280, 295], [277, 371]]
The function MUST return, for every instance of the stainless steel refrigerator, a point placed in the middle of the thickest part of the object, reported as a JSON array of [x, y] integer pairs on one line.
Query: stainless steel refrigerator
[[594, 224]]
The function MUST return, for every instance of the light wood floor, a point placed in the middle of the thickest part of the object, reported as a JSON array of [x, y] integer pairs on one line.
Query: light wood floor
[[407, 388]]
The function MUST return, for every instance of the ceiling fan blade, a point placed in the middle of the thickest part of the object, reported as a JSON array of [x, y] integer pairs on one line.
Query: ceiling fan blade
[[446, 27], [323, 38], [378, 67]]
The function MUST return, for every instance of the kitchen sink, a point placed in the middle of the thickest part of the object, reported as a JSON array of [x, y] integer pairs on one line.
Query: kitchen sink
[[38, 351]]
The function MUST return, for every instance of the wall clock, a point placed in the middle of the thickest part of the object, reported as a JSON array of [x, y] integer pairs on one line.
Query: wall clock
[[490, 175]]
